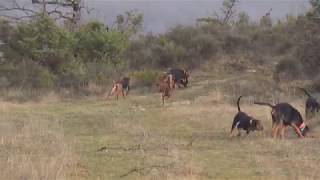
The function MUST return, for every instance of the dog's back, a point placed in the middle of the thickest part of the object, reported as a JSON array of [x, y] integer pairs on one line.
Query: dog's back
[[241, 120], [286, 113]]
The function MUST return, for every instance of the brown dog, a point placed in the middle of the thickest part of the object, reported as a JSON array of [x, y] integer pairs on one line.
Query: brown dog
[[165, 84], [118, 89]]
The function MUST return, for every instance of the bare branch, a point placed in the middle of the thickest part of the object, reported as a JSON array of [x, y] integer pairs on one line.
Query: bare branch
[[60, 10]]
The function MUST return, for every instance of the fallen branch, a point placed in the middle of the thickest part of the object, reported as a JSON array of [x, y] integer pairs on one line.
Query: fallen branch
[[141, 170], [131, 148]]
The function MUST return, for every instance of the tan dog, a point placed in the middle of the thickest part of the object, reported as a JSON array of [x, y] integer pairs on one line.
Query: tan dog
[[165, 85], [117, 89]]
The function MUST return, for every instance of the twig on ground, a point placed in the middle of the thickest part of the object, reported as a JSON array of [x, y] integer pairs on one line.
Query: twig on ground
[[141, 170]]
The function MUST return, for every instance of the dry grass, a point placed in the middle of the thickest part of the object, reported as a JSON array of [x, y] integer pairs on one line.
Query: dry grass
[[33, 147], [188, 138]]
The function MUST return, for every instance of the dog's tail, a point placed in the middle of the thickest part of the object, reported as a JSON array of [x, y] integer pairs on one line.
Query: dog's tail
[[238, 103], [264, 104], [113, 89], [305, 91]]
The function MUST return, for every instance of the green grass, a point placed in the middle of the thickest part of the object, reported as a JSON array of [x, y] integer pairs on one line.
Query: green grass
[[140, 133]]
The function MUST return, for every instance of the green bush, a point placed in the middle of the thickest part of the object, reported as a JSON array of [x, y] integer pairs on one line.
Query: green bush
[[94, 43], [145, 78], [28, 75]]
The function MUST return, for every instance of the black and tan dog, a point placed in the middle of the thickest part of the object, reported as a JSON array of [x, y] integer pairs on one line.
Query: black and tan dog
[[179, 77], [284, 115], [312, 106], [245, 122]]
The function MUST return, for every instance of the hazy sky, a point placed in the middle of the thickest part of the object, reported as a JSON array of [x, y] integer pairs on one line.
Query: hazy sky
[[162, 14], [159, 15]]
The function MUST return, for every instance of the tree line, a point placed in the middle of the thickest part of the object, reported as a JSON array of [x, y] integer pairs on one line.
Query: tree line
[[42, 53]]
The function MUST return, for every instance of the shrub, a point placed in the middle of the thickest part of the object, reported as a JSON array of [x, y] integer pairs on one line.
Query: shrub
[[287, 69], [29, 75], [145, 78], [40, 41], [94, 43]]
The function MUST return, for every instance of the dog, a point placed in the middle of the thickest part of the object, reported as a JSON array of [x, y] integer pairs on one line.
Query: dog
[[312, 106], [125, 81], [284, 115], [179, 77], [164, 84], [119, 87], [245, 122]]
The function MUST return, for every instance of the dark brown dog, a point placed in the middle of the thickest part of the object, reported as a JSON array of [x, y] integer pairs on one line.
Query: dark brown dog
[[312, 106], [283, 115], [245, 122]]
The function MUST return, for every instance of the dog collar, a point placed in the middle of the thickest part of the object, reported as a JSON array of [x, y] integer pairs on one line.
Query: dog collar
[[302, 126]]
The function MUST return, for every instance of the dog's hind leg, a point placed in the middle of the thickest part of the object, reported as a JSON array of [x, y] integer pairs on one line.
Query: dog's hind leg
[[235, 124], [162, 98], [231, 132], [239, 133], [275, 131]]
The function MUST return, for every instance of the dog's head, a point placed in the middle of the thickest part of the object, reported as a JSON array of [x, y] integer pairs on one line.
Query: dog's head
[[304, 129], [256, 125]]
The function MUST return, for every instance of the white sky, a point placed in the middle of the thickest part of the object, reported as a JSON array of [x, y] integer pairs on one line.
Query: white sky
[[159, 15]]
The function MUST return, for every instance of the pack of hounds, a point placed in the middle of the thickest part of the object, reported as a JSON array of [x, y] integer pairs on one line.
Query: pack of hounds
[[283, 114]]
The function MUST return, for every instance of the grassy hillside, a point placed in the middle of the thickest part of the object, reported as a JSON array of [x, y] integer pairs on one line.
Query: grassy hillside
[[188, 138]]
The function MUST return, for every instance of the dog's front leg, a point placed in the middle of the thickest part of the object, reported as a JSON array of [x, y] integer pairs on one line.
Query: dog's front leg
[[122, 93], [297, 131]]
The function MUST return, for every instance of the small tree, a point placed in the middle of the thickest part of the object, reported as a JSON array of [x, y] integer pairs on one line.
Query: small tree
[[315, 7], [243, 19], [130, 23], [266, 22], [39, 44], [227, 12]]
